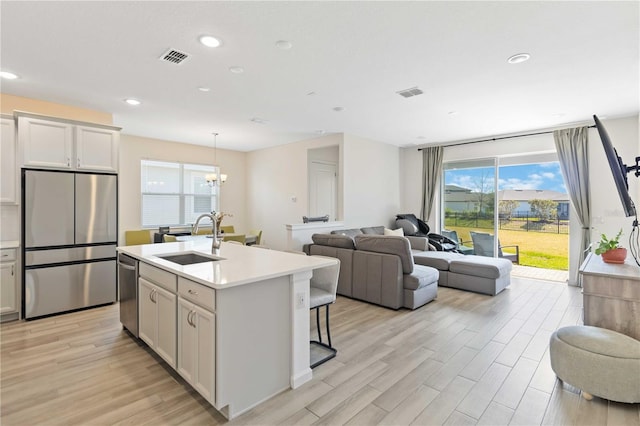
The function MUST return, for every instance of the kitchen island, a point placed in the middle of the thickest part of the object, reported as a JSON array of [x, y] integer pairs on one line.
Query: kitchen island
[[235, 326]]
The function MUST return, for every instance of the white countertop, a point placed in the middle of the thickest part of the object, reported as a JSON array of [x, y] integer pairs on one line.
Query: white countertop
[[240, 264], [9, 244]]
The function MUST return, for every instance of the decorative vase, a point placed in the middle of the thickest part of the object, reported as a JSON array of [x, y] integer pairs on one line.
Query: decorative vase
[[617, 255]]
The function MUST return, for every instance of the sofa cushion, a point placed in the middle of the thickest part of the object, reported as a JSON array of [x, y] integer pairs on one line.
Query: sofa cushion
[[481, 266], [420, 277], [398, 232], [348, 232], [387, 244], [340, 241], [436, 259], [373, 230]]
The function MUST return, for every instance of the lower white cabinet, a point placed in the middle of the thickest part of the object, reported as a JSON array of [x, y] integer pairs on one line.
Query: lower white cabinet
[[8, 282], [157, 319], [196, 347]]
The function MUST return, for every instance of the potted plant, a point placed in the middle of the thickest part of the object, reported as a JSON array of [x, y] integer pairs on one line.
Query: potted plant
[[610, 249]]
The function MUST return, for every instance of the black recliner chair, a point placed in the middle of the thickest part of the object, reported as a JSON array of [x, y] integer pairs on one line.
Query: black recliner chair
[[411, 225]]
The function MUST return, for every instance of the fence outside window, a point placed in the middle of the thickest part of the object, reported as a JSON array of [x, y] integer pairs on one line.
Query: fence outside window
[[525, 221]]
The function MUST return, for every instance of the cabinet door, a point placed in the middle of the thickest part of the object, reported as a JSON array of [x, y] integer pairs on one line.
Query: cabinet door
[[166, 320], [8, 302], [205, 353], [147, 312], [97, 149], [8, 187], [45, 143], [186, 341]]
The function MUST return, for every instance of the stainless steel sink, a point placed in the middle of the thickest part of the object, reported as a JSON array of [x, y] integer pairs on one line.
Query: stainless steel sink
[[188, 258]]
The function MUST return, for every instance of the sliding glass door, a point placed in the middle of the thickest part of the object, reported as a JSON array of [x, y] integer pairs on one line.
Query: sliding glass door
[[469, 202]]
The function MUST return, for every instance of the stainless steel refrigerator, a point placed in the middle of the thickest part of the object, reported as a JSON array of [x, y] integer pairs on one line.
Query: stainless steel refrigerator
[[69, 237]]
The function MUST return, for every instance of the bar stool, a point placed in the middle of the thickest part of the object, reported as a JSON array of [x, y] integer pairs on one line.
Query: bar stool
[[323, 287]]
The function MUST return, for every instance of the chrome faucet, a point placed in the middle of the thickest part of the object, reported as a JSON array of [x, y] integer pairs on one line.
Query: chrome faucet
[[215, 243]]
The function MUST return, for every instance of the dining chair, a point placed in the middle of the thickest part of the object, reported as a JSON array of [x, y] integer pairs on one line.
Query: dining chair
[[205, 231], [135, 238], [227, 229], [169, 238], [234, 242], [258, 234], [241, 238]]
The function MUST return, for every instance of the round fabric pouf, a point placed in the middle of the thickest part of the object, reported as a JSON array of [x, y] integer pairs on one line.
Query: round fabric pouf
[[598, 361]]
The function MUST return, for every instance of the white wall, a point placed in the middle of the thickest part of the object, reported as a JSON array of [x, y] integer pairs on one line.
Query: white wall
[[606, 207], [371, 182], [135, 148], [277, 187], [368, 184]]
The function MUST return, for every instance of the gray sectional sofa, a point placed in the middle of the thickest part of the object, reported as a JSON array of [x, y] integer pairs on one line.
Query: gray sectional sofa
[[389, 270], [378, 269]]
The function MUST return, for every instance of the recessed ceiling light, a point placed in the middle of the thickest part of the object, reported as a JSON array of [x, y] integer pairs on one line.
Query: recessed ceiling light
[[284, 44], [311, 94], [258, 120], [518, 58], [204, 89], [209, 41], [420, 137], [338, 109], [236, 70], [131, 101], [558, 115], [453, 113], [320, 132], [8, 75]]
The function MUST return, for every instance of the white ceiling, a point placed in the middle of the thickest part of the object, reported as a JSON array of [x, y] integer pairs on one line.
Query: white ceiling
[[355, 55]]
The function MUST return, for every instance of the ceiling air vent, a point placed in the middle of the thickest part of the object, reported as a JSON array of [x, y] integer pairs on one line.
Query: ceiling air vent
[[407, 93], [174, 56]]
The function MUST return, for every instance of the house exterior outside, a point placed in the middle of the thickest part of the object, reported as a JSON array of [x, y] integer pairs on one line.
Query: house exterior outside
[[461, 199]]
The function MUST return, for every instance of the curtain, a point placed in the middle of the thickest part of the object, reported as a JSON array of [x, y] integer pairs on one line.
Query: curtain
[[431, 171], [571, 145]]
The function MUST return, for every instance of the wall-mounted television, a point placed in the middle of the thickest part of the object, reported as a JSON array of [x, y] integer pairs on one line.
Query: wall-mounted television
[[618, 169]]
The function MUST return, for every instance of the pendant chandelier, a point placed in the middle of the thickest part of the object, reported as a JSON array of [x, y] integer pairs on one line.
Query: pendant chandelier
[[215, 178]]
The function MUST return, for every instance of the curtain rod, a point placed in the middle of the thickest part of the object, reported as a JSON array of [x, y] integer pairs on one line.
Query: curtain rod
[[503, 137]]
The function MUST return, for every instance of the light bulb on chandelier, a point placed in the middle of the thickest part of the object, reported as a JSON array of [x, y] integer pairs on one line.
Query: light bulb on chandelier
[[215, 178]]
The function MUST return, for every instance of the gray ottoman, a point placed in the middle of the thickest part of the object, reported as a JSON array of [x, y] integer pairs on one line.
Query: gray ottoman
[[598, 361], [488, 275]]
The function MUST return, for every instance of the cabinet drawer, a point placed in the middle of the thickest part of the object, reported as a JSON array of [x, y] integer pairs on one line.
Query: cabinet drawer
[[7, 255], [197, 293], [157, 276]]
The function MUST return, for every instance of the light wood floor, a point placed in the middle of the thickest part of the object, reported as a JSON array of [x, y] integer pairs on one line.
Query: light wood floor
[[463, 359]]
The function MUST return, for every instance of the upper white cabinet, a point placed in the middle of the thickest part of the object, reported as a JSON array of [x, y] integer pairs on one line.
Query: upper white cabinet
[[8, 186], [65, 144], [97, 149]]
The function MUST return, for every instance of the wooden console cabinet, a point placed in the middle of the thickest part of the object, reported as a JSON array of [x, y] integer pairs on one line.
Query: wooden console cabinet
[[611, 295]]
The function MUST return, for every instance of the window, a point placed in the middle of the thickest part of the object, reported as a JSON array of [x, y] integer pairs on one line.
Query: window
[[175, 193]]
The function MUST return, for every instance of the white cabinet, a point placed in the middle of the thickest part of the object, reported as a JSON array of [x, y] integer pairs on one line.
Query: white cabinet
[[96, 149], [66, 144], [157, 308], [45, 143], [8, 185], [8, 282], [196, 337]]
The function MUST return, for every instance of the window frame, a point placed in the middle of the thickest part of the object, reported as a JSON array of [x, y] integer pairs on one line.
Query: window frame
[[182, 195]]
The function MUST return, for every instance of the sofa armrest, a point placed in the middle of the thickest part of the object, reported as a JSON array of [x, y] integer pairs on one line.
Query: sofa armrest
[[418, 243]]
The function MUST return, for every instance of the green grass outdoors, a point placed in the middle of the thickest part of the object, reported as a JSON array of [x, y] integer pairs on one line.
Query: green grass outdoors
[[539, 249]]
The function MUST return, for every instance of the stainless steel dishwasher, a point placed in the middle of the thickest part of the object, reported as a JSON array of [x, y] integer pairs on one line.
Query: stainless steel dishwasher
[[128, 291]]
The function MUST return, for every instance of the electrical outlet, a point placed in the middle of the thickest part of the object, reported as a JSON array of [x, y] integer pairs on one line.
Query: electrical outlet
[[300, 302]]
